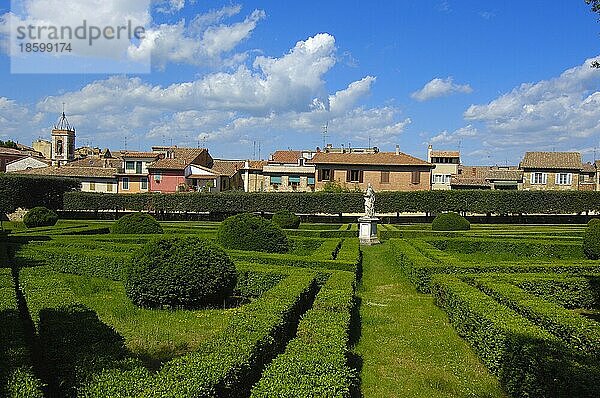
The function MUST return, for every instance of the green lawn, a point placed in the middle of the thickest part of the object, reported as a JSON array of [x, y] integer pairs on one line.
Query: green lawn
[[407, 346]]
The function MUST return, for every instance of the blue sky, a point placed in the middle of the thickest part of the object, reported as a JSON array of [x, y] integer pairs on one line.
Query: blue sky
[[493, 78]]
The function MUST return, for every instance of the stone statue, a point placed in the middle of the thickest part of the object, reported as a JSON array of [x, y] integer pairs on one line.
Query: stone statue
[[370, 202]]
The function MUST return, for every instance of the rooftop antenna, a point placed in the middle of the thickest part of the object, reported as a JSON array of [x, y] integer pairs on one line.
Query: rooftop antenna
[[324, 132], [369, 146], [459, 145], [259, 158], [254, 150], [125, 138]]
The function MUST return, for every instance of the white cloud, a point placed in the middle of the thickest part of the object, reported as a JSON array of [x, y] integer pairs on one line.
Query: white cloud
[[440, 88], [446, 137], [272, 98], [564, 110], [169, 6]]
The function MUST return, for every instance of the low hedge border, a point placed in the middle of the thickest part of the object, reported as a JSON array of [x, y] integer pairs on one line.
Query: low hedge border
[[579, 332], [419, 268], [17, 378], [568, 291], [528, 360], [314, 363]]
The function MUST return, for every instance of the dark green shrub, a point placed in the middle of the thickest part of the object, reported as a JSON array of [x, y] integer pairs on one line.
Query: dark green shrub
[[250, 232], [591, 241], [180, 273], [136, 224], [450, 222], [593, 221], [286, 219], [40, 217]]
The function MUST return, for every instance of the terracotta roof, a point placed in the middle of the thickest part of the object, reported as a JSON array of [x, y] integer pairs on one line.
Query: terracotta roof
[[552, 160], [378, 159], [43, 160], [95, 161], [134, 154], [99, 172], [588, 168], [287, 157], [11, 151], [445, 154], [483, 175], [504, 175], [469, 182], [183, 157], [256, 164], [227, 167]]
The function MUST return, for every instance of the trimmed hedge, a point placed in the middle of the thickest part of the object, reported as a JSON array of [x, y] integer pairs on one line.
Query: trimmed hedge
[[480, 202], [17, 378], [591, 241], [180, 273], [571, 292], [251, 232], [40, 217], [450, 222], [314, 364], [528, 360], [28, 192], [286, 219], [136, 224]]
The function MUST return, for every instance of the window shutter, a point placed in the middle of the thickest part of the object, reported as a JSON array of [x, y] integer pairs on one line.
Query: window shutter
[[361, 176], [348, 174], [319, 175], [557, 179], [416, 177], [545, 178]]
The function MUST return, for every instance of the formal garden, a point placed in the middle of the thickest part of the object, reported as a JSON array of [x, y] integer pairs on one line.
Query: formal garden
[[261, 306]]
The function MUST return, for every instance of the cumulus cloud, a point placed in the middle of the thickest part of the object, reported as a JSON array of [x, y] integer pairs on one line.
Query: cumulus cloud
[[270, 97], [446, 137], [440, 88], [565, 109]]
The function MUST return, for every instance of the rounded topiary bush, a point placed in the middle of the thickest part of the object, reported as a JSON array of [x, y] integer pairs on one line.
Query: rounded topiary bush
[[250, 232], [593, 221], [591, 241], [450, 222], [286, 219], [40, 217], [180, 273], [136, 223]]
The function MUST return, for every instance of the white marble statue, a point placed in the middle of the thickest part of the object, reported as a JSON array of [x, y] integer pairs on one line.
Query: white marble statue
[[370, 201]]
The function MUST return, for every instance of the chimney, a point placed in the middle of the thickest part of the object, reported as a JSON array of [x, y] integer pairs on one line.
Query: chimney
[[397, 149], [429, 150]]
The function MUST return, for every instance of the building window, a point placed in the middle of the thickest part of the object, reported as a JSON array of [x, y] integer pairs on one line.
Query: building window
[[311, 180], [354, 176], [385, 177], [138, 167], [92, 186], [129, 165], [144, 182], [294, 181], [325, 175], [109, 187], [276, 181], [564, 179], [125, 184], [539, 178], [415, 177], [441, 178]]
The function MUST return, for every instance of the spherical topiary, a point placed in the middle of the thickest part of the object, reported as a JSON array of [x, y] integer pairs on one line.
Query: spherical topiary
[[591, 241], [593, 221], [136, 223], [180, 273], [40, 217], [286, 219], [250, 232], [450, 222]]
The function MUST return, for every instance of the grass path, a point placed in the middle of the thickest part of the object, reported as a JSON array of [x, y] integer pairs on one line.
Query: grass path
[[407, 345]]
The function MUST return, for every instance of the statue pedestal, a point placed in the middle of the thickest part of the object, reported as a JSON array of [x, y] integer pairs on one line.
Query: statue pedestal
[[367, 230]]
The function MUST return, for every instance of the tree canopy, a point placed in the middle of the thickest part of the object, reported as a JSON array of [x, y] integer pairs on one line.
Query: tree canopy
[[595, 8]]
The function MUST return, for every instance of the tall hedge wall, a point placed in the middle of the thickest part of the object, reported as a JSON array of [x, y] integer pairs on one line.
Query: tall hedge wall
[[32, 191], [481, 202]]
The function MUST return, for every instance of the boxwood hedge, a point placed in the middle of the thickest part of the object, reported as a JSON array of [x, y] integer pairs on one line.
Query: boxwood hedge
[[31, 191]]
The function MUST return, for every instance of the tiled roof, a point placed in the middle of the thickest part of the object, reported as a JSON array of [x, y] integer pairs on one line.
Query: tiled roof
[[287, 157], [12, 152], [377, 159], [95, 161], [182, 157], [256, 164], [134, 154], [484, 175], [227, 167], [588, 168], [504, 175], [445, 154], [99, 172], [469, 182], [552, 160]]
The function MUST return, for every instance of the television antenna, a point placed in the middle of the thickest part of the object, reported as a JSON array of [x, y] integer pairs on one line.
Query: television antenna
[[324, 133]]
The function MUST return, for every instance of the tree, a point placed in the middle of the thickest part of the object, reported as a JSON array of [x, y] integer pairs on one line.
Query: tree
[[8, 144], [595, 8]]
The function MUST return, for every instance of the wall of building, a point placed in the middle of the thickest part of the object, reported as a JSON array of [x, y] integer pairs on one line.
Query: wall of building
[[446, 170], [286, 186], [550, 181], [101, 185], [169, 182], [135, 184], [25, 164], [400, 178]]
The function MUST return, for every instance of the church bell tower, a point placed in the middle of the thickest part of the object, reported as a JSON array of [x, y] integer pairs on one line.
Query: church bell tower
[[63, 142]]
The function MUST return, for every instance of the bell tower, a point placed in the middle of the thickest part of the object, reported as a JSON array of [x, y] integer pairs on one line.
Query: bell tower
[[63, 142]]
